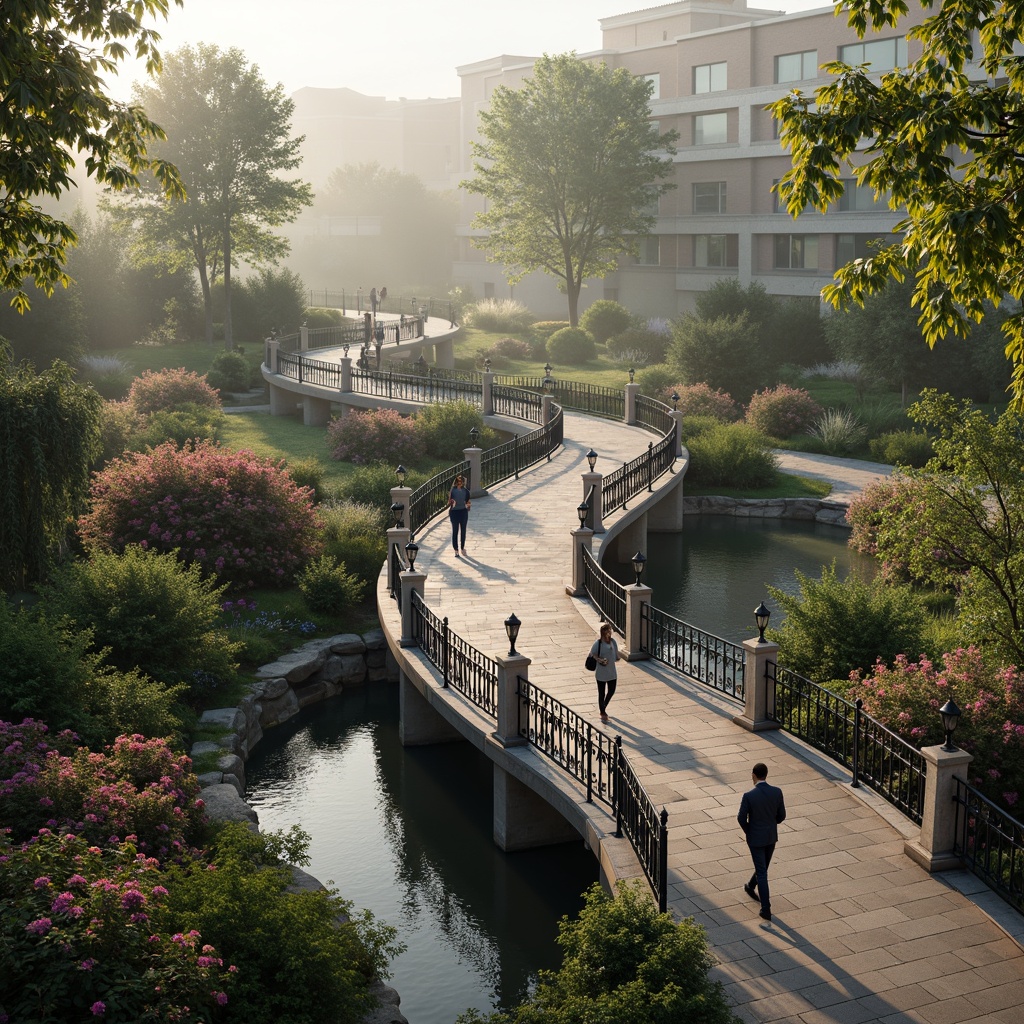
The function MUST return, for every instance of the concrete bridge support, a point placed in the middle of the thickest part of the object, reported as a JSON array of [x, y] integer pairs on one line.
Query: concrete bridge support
[[667, 515], [633, 538], [522, 819], [316, 412], [418, 723], [444, 354], [282, 401]]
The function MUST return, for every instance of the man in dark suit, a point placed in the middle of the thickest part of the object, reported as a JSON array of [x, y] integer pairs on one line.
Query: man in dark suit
[[762, 810]]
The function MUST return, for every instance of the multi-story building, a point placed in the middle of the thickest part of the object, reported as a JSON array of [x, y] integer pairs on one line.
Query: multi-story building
[[715, 65]]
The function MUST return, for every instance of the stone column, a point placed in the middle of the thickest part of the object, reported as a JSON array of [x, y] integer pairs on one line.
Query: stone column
[[636, 595], [677, 415], [346, 374], [303, 338], [472, 456], [411, 581], [401, 496], [510, 667], [273, 347], [545, 409], [487, 398], [934, 849], [582, 539], [632, 390], [755, 686], [396, 535], [596, 511]]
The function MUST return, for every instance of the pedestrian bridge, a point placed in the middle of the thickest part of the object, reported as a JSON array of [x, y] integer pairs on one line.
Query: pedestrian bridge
[[862, 930]]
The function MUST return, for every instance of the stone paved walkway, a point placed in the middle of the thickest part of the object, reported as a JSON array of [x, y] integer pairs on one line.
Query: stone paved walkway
[[860, 933]]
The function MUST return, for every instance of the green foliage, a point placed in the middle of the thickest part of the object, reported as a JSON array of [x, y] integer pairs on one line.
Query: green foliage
[[723, 353], [782, 411], [111, 376], [49, 436], [545, 328], [371, 485], [185, 423], [264, 300], [657, 380], [152, 612], [296, 953], [605, 319], [623, 962], [445, 429], [911, 448], [700, 400], [839, 431], [497, 315], [733, 454], [230, 372], [837, 626], [639, 346], [958, 240], [365, 437], [568, 164], [58, 116], [170, 389], [355, 534], [571, 346], [308, 473], [328, 587]]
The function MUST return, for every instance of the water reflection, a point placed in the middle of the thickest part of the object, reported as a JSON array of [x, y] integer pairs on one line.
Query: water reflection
[[406, 833]]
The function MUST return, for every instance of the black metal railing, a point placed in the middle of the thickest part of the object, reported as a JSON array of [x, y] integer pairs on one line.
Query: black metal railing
[[990, 842], [516, 402], [505, 461], [654, 415], [839, 728], [462, 666], [709, 659], [601, 765], [431, 498], [414, 369], [358, 300], [638, 474], [308, 371], [396, 566], [606, 594], [414, 388]]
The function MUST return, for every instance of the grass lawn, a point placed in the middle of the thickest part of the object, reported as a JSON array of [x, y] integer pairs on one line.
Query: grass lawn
[[786, 486]]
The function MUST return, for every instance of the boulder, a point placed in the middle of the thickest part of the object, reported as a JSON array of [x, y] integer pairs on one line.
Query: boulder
[[298, 665], [386, 1010], [231, 719], [223, 803], [273, 688], [347, 643], [203, 747], [353, 670], [210, 779], [279, 710], [234, 780], [375, 640]]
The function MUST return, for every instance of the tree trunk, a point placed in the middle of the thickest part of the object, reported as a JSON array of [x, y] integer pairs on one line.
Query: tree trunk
[[572, 293], [229, 343], [204, 282]]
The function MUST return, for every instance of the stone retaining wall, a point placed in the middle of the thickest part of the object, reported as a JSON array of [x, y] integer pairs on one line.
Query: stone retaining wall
[[819, 510]]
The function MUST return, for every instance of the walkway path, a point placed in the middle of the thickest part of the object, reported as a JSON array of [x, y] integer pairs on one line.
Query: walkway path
[[860, 933]]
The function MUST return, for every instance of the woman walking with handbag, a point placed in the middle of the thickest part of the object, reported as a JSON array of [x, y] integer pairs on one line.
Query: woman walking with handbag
[[605, 653]]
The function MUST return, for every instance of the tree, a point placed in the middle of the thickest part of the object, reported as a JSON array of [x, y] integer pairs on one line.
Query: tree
[[49, 436], [723, 352], [228, 133], [569, 166], [55, 106], [941, 139]]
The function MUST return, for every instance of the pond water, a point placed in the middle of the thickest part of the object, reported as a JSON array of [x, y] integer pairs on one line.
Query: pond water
[[406, 833]]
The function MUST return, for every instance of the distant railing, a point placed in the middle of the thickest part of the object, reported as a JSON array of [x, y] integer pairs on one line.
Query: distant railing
[[707, 658], [639, 474], [505, 461], [308, 371], [606, 594], [839, 728], [409, 388], [358, 300], [989, 842]]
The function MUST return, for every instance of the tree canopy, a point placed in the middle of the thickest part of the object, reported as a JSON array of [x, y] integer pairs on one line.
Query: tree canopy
[[55, 110], [941, 139], [570, 165], [229, 134]]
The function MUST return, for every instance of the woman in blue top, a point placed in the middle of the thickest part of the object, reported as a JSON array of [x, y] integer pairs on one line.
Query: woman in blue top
[[458, 512], [606, 652]]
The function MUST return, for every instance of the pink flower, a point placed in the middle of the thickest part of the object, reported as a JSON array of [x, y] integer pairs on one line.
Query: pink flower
[[98, 1008], [39, 927]]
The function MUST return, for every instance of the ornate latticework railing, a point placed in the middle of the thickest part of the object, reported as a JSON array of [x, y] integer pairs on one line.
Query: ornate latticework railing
[[990, 842], [606, 594]]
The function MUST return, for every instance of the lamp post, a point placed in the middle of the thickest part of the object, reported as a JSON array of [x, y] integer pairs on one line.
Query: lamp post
[[512, 625], [378, 340], [411, 551], [950, 718], [421, 364], [487, 365], [761, 617], [675, 401], [582, 511], [344, 349], [397, 512], [632, 372], [591, 459], [474, 436], [639, 561], [400, 473]]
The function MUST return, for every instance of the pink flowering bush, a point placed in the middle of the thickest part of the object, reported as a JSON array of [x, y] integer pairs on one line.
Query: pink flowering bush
[[907, 698], [82, 937], [237, 515], [701, 400], [169, 389], [380, 434], [883, 511], [782, 411]]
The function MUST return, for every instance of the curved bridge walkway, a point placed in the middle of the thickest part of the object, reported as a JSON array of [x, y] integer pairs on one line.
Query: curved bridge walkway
[[859, 932]]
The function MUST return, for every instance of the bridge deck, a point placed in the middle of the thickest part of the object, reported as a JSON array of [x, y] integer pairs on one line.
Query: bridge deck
[[860, 932]]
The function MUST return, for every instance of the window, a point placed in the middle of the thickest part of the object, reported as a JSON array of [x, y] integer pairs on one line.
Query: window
[[795, 67], [655, 80], [881, 54], [710, 129], [709, 197], [796, 252], [859, 198], [780, 207], [856, 247], [650, 251], [716, 251], [709, 77]]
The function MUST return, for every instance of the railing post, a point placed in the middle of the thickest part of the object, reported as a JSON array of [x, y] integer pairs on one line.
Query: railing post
[[755, 685], [303, 338], [545, 409], [933, 850], [445, 652], [590, 762], [637, 595], [396, 535], [510, 668], [411, 581], [486, 396], [515, 453], [677, 416], [632, 390], [346, 374], [596, 515], [582, 540], [663, 863], [855, 784], [273, 346], [472, 456], [617, 796], [650, 465]]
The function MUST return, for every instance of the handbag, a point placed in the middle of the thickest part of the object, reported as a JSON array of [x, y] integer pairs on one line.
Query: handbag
[[591, 663]]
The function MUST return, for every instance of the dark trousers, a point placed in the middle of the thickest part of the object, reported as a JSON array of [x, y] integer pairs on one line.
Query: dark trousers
[[605, 692], [459, 518], [762, 857]]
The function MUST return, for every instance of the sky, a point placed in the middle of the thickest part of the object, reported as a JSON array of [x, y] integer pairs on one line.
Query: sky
[[389, 48]]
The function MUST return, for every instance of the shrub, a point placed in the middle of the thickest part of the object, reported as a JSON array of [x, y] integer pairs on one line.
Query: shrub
[[694, 426], [365, 437], [870, 510], [882, 415], [119, 425], [328, 587], [371, 485], [655, 380], [731, 455], [83, 932], [320, 316], [571, 346], [512, 348], [355, 534], [902, 448], [152, 612], [170, 389], [545, 328], [725, 352], [497, 315], [605, 319], [639, 346], [839, 431], [111, 376], [308, 473], [187, 422], [700, 400], [296, 953], [233, 513], [229, 372], [836, 626], [907, 698], [445, 429], [782, 411], [841, 369]]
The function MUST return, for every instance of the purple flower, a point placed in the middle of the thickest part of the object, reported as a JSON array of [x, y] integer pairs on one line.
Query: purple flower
[[41, 882], [39, 927], [98, 1008]]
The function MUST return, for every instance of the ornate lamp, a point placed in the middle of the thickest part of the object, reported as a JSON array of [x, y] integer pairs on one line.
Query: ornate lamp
[[512, 625], [675, 400], [591, 459], [487, 365], [582, 511], [397, 512], [631, 374], [400, 473], [950, 718], [411, 551], [639, 561], [474, 436], [761, 617]]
